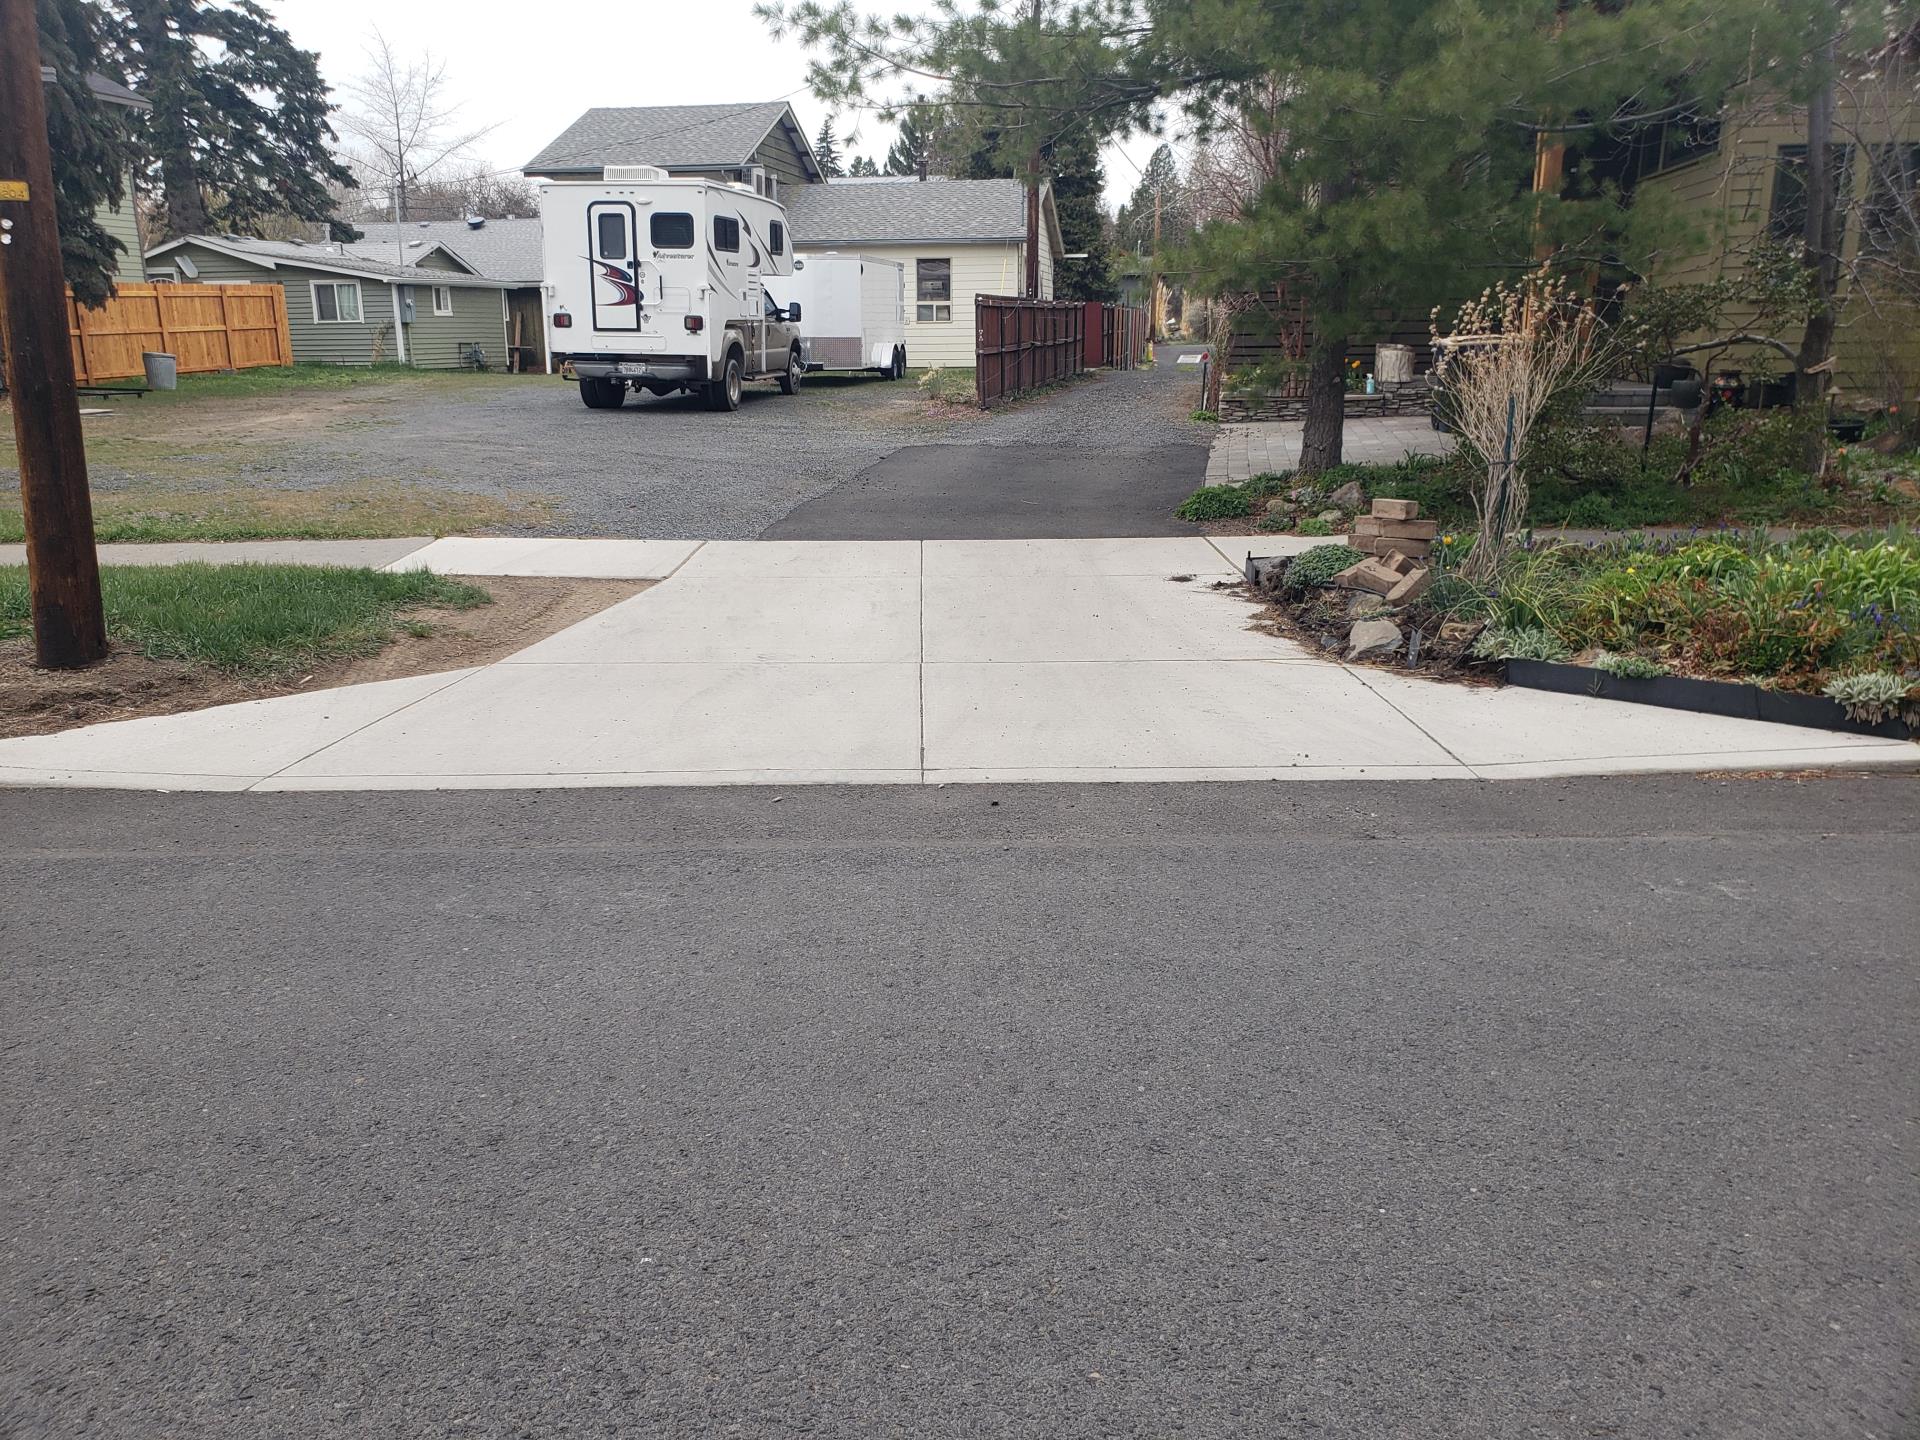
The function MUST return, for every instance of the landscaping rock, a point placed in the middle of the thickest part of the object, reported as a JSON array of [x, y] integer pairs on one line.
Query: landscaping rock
[[1266, 570], [1461, 632], [1369, 575], [1372, 637], [1282, 506], [1361, 604], [1396, 510], [1411, 588], [1330, 517], [1349, 496]]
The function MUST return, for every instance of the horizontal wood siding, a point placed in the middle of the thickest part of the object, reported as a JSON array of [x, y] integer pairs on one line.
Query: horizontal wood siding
[[318, 342], [993, 269], [434, 341], [1726, 198], [204, 327], [120, 222], [778, 155]]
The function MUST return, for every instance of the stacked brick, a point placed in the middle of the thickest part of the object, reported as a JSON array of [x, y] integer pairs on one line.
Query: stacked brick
[[1394, 525], [1396, 542]]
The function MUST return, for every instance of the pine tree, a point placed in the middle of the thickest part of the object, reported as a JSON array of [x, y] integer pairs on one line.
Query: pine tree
[[1078, 186], [91, 145], [863, 167], [912, 149], [827, 150], [239, 125]]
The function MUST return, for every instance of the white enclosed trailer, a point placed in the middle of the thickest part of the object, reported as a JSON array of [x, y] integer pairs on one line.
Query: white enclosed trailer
[[666, 284], [855, 312]]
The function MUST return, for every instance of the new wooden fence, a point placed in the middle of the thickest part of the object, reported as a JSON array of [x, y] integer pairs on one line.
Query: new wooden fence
[[1020, 345], [204, 327]]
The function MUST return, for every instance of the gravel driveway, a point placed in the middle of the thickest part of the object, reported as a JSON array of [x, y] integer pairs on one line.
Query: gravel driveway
[[663, 468]]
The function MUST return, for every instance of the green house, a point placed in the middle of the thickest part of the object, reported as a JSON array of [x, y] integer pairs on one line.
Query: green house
[[346, 309]]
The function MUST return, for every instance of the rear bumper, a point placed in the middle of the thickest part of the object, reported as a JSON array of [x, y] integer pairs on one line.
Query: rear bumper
[[675, 368]]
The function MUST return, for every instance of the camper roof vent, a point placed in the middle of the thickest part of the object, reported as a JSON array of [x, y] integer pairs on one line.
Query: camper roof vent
[[632, 174]]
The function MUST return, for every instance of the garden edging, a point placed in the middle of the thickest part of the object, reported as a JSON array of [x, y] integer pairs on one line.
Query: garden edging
[[1706, 697]]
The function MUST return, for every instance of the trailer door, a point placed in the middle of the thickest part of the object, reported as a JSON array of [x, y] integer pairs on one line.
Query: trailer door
[[613, 257]]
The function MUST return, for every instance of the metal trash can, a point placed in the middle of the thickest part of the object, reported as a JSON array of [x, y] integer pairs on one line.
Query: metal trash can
[[163, 371]]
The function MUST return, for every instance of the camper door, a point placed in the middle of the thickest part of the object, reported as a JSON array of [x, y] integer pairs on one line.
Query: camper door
[[612, 227]]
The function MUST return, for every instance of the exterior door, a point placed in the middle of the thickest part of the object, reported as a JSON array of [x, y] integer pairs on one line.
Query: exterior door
[[614, 258]]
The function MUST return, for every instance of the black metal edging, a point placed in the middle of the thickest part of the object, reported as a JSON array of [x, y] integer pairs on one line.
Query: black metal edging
[[1704, 697]]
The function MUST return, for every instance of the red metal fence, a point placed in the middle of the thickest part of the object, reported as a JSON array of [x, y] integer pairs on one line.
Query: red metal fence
[[1020, 345]]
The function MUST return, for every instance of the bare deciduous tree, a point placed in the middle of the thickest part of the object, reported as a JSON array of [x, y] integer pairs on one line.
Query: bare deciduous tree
[[401, 126], [1508, 354]]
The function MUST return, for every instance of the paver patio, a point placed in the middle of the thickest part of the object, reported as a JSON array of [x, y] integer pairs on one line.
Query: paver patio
[[901, 662], [1241, 451]]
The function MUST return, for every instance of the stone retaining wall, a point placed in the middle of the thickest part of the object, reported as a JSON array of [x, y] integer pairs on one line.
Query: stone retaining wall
[[1412, 398]]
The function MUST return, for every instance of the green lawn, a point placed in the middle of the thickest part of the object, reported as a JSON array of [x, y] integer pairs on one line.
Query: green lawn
[[356, 510], [272, 380], [257, 620]]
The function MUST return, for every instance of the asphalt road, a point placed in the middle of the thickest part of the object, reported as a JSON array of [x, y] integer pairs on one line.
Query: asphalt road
[[1573, 1109]]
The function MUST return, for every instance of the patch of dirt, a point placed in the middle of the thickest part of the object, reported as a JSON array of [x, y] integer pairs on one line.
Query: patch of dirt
[[128, 684]]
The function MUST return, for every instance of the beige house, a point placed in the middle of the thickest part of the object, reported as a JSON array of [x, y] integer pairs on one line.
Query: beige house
[[1741, 180], [955, 239]]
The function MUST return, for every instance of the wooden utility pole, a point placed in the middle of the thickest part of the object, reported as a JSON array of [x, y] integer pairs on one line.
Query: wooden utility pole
[[63, 569], [1033, 189]]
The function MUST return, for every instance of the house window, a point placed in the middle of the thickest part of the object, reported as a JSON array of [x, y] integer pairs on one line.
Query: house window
[[336, 302], [610, 235], [1787, 215], [776, 237], [933, 291], [671, 230], [1890, 223], [443, 299], [726, 233]]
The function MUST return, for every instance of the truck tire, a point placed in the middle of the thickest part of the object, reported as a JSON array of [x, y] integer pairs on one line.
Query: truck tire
[[603, 394], [724, 393], [898, 370], [790, 378]]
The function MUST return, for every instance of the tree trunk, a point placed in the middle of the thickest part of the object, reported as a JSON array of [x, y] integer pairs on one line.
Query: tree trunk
[[1326, 405], [169, 79], [186, 208], [1812, 366]]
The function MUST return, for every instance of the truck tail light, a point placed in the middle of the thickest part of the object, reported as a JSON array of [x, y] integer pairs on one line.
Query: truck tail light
[[696, 323], [562, 320]]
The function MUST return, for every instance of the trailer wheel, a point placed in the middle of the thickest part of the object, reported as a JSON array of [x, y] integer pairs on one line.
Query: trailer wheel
[[724, 393], [898, 370], [790, 381], [603, 394]]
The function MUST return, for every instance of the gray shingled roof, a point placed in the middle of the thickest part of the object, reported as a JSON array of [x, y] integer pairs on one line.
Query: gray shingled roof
[[869, 212], [319, 256], [664, 135], [507, 250]]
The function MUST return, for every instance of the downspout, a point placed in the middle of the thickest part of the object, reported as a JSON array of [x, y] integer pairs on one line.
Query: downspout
[[399, 330]]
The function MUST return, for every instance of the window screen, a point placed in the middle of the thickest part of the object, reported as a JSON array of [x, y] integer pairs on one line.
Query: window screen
[[610, 235], [671, 231], [726, 233]]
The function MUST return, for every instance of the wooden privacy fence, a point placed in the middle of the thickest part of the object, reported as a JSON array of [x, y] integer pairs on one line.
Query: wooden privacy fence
[[204, 327], [1020, 345], [1116, 335]]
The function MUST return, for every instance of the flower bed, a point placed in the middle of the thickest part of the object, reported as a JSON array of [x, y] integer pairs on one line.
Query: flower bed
[[1818, 615]]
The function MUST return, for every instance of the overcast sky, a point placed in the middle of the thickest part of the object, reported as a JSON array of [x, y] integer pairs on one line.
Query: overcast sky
[[534, 68]]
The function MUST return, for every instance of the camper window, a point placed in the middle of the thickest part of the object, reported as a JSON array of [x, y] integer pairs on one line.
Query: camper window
[[776, 237], [726, 233], [610, 235], [671, 230]]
